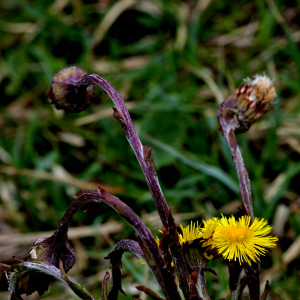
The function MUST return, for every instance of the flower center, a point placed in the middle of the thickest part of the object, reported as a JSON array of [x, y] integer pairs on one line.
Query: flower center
[[235, 234]]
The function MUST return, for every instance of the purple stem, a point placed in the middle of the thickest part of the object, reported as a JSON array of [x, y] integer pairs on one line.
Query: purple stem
[[239, 164], [163, 276], [104, 286], [227, 124], [143, 155], [61, 233], [123, 115]]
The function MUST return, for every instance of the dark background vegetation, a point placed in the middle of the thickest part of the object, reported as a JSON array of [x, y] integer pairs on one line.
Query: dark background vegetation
[[173, 62]]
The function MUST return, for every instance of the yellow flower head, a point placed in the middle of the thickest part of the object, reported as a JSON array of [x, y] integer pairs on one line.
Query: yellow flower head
[[240, 240], [189, 233], [208, 228]]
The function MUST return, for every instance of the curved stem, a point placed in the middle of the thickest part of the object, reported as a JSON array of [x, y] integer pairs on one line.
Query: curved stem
[[61, 233], [122, 114], [153, 255], [74, 97], [143, 155]]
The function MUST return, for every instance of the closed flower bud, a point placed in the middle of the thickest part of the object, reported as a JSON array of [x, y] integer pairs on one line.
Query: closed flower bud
[[247, 104], [65, 94]]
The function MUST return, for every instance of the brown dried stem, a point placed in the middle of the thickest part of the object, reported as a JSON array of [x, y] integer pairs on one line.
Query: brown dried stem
[[40, 268], [266, 290], [149, 292], [115, 257], [229, 123]]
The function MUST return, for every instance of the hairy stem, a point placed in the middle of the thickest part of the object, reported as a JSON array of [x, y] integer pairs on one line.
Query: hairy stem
[[72, 90], [164, 277], [201, 287], [122, 114], [198, 263], [143, 155], [61, 232], [244, 182], [227, 126]]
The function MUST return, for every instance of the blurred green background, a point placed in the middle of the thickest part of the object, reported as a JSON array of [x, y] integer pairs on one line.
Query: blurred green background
[[173, 62]]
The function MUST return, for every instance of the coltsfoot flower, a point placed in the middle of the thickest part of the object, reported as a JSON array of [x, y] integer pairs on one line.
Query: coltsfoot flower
[[208, 228], [189, 233], [239, 240]]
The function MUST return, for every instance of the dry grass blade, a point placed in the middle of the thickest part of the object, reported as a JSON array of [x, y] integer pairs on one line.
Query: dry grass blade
[[73, 233], [274, 187], [205, 76], [149, 292], [14, 243], [130, 63], [241, 37], [281, 217], [288, 256], [182, 29], [69, 179], [25, 27], [292, 252], [117, 9], [142, 295]]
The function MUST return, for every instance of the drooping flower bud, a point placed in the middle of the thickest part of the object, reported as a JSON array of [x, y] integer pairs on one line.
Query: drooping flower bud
[[64, 93], [48, 251], [247, 104]]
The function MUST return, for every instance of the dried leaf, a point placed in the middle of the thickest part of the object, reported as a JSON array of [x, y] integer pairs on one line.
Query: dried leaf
[[149, 292]]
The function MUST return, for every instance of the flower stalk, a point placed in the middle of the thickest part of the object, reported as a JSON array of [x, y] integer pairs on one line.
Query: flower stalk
[[62, 86], [79, 89], [198, 263], [148, 244], [236, 114]]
